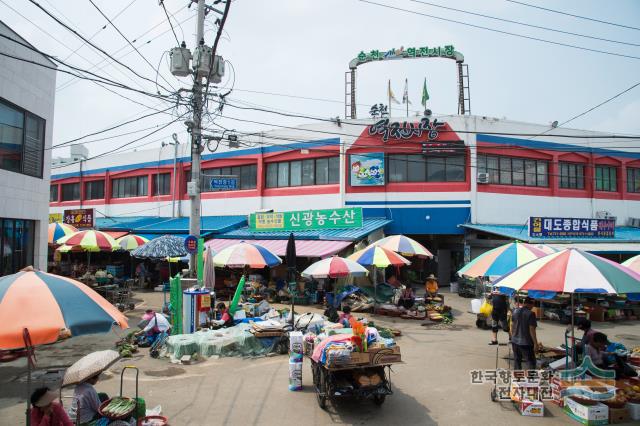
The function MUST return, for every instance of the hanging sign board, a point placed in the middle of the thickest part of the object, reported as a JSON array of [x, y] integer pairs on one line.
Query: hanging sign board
[[305, 220], [80, 218], [568, 227], [55, 217], [224, 183], [191, 244]]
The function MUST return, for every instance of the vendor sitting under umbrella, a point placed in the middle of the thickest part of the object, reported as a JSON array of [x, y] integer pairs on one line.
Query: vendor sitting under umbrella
[[86, 400], [46, 410], [407, 298], [226, 320], [153, 324]]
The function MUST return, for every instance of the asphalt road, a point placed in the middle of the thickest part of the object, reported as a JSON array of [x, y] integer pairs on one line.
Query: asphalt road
[[431, 387]]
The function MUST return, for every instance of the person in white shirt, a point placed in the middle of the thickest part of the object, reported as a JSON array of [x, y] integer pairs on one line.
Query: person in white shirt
[[156, 324]]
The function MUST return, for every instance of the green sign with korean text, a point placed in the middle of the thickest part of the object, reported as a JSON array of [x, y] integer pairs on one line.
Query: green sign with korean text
[[447, 51], [305, 220]]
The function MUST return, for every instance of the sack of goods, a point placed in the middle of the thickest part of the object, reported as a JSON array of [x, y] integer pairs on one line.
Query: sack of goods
[[295, 376]]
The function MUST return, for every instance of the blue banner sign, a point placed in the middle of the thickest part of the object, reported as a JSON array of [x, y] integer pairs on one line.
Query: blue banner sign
[[224, 183], [569, 227]]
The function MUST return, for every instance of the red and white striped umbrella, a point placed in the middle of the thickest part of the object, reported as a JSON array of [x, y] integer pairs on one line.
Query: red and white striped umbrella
[[90, 240]]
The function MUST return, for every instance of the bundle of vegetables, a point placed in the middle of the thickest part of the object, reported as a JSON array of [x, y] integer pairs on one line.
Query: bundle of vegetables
[[118, 408]]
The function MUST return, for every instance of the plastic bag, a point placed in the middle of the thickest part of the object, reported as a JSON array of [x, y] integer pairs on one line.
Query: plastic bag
[[486, 308]]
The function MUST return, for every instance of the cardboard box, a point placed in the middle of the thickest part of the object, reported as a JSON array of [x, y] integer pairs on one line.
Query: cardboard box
[[590, 415], [522, 391], [619, 415], [384, 355], [531, 408]]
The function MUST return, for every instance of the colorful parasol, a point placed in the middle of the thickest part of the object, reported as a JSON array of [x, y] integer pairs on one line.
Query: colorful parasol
[[571, 271], [502, 260], [246, 255], [45, 304], [633, 263], [90, 240], [379, 257], [58, 230], [334, 267], [404, 245], [131, 242]]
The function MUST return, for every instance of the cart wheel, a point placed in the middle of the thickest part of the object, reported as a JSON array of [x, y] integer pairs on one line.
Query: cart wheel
[[494, 395], [322, 400], [321, 391], [379, 399]]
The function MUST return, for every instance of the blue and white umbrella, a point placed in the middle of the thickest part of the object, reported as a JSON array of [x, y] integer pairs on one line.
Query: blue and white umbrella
[[160, 248]]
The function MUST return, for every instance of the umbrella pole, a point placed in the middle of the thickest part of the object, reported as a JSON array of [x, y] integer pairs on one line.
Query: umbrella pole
[[573, 340], [28, 412]]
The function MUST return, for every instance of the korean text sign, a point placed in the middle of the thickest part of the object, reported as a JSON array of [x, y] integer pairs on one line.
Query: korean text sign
[[80, 218], [304, 220], [567, 227]]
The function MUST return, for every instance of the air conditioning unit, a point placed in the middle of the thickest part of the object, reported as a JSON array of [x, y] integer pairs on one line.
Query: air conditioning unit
[[483, 178], [634, 222], [603, 214]]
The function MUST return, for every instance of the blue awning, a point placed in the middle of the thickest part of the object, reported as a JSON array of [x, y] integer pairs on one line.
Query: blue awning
[[626, 238], [369, 225], [156, 226]]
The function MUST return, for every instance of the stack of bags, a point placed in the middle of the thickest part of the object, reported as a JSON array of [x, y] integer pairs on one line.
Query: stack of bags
[[295, 360]]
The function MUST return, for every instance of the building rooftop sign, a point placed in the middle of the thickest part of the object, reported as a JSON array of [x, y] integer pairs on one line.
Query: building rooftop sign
[[447, 51]]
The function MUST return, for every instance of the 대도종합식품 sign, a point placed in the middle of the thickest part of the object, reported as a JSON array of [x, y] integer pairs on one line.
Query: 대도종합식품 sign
[[566, 227]]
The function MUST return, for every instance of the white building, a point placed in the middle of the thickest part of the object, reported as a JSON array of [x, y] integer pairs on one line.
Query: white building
[[458, 184], [27, 93]]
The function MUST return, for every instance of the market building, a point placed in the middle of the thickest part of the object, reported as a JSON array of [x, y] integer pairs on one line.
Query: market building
[[27, 94], [454, 183]]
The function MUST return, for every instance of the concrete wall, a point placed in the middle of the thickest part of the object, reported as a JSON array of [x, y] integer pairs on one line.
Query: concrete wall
[[32, 88]]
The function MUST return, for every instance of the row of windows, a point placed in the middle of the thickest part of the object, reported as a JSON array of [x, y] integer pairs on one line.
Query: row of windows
[[120, 188], [21, 140], [418, 168], [318, 171], [514, 171], [519, 171], [402, 168]]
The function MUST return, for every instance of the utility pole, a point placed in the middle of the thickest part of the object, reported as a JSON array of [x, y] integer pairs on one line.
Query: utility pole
[[196, 134]]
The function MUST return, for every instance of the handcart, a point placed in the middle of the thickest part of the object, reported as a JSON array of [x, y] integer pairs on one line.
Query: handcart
[[138, 408], [332, 382]]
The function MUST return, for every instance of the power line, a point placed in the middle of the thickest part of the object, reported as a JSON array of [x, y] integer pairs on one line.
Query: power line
[[331, 120], [170, 23], [89, 42], [524, 23], [131, 44], [600, 104], [72, 81], [557, 43], [574, 16], [128, 143]]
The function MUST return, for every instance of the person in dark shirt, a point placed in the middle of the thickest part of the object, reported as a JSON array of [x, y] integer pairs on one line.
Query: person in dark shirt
[[523, 335], [498, 315]]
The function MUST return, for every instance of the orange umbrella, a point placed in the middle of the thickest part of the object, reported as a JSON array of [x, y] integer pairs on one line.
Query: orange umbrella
[[44, 304]]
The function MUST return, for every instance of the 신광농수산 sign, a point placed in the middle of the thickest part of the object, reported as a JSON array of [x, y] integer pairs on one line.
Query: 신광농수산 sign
[[306, 220]]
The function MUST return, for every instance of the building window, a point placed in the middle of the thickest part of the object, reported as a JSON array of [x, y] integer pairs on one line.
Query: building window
[[633, 179], [53, 193], [129, 187], [571, 176], [318, 171], [418, 168], [246, 176], [514, 171], [606, 177], [16, 247], [22, 140], [70, 191], [161, 184], [94, 190]]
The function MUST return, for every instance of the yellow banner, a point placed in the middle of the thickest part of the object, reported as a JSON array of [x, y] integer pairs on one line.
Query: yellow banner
[[55, 217]]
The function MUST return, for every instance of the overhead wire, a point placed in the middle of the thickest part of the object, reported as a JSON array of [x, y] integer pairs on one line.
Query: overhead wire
[[134, 47], [495, 30], [573, 15], [482, 15], [101, 64]]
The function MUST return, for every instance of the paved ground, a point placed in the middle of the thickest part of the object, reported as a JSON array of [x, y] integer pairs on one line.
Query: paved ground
[[432, 387]]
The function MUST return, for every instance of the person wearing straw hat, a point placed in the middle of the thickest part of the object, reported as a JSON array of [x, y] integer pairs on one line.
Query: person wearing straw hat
[[46, 410]]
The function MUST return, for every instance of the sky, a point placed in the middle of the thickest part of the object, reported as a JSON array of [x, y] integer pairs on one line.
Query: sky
[[294, 49]]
